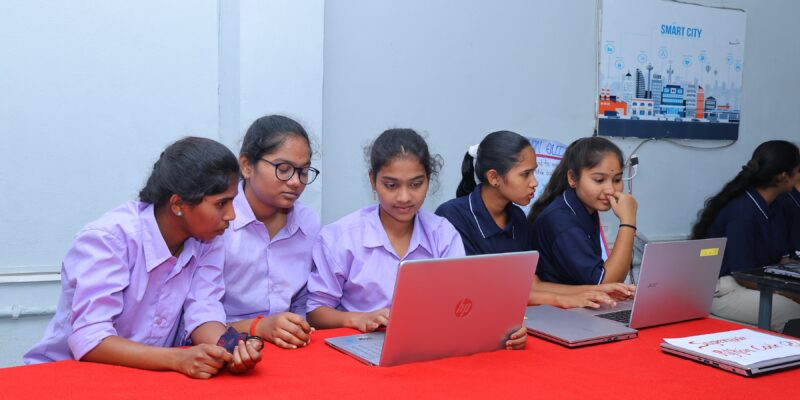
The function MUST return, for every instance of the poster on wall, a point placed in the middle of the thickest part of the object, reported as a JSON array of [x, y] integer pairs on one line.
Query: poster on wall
[[669, 70], [548, 155]]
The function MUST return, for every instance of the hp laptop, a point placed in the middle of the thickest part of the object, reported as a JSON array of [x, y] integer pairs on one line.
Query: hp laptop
[[448, 307], [676, 283], [572, 329]]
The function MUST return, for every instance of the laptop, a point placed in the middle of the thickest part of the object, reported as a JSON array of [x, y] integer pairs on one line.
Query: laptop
[[792, 269], [677, 282], [572, 329], [448, 307], [774, 352], [745, 370]]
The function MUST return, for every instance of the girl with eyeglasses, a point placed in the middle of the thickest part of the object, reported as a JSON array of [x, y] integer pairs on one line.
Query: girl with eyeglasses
[[356, 258], [268, 246], [136, 275]]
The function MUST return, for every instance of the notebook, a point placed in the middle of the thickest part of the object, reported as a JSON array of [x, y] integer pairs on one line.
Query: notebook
[[676, 283], [448, 307], [744, 351], [572, 329]]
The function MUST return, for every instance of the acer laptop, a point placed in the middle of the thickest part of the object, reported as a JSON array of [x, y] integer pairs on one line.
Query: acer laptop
[[448, 307], [676, 283]]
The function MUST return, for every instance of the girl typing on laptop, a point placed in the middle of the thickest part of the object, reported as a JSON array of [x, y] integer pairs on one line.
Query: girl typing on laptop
[[745, 211], [356, 257], [566, 223], [489, 222]]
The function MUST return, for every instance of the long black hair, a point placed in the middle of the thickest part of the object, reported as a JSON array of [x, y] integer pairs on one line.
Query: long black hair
[[266, 134], [396, 143], [769, 160], [583, 153], [498, 151], [192, 168]]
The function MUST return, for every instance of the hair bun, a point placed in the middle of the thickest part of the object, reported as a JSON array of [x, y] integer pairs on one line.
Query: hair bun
[[751, 167]]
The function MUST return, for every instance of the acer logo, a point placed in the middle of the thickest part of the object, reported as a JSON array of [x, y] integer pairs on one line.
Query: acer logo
[[463, 307], [652, 285]]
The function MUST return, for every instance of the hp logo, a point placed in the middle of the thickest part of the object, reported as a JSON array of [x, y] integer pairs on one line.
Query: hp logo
[[463, 307]]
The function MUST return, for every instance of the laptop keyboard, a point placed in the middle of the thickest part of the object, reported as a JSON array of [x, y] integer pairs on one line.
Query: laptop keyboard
[[623, 316], [368, 349]]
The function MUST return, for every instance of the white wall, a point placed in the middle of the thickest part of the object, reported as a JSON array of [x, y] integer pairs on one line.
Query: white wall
[[91, 93], [279, 70], [455, 70]]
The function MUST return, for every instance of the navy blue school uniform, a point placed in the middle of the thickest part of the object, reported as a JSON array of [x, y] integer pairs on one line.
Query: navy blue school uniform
[[756, 232], [568, 240], [790, 205], [479, 232]]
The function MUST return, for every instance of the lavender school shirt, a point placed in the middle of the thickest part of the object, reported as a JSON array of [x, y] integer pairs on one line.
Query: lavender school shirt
[[119, 279], [355, 265], [264, 275]]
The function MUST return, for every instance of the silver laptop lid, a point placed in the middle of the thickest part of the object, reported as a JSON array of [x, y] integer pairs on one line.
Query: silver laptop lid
[[677, 281], [457, 306]]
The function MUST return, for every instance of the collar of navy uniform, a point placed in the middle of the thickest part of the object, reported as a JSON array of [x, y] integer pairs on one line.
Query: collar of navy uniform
[[586, 220], [486, 225], [794, 194], [759, 202]]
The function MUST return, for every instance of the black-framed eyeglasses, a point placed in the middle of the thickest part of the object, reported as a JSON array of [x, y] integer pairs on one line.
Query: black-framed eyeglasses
[[285, 171]]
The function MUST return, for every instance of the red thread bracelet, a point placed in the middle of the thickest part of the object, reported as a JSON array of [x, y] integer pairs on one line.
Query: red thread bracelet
[[254, 325]]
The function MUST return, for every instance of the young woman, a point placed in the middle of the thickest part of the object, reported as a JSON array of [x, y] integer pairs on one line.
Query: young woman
[[566, 223], [792, 211], [268, 246], [356, 257], [790, 205], [745, 212], [130, 275], [489, 222]]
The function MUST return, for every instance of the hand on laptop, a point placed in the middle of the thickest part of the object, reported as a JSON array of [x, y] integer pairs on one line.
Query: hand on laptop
[[588, 298], [517, 339], [618, 291], [286, 330], [370, 321]]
